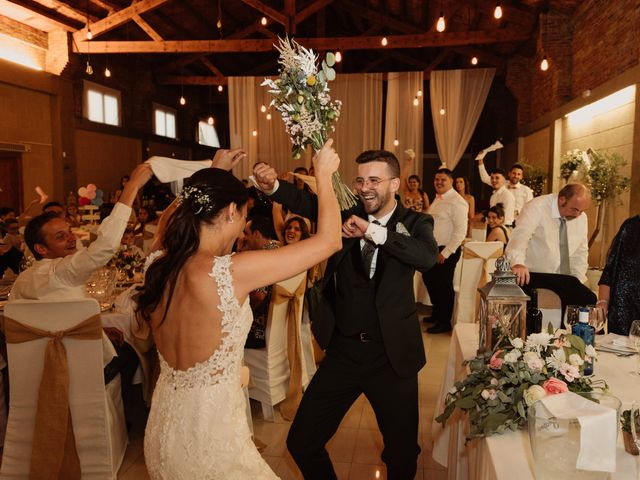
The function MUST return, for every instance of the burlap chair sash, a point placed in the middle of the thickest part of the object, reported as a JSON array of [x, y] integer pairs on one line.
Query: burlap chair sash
[[53, 451], [484, 276], [279, 295]]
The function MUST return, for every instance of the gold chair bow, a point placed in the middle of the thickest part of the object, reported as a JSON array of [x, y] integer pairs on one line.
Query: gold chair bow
[[289, 405], [470, 254], [53, 451]]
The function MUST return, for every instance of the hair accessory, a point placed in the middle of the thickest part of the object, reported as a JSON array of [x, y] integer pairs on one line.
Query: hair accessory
[[197, 197]]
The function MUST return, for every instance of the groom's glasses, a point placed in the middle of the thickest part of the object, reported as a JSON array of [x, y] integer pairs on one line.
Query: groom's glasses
[[370, 182]]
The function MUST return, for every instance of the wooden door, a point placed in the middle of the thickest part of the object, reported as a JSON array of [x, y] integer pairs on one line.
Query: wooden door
[[11, 180]]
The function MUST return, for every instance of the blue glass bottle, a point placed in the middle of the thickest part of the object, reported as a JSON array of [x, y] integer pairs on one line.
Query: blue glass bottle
[[587, 333]]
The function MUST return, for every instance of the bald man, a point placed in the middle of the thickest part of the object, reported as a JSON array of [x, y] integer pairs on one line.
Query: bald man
[[549, 246]]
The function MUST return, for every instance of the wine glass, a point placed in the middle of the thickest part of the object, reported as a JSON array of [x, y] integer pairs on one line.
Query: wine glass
[[597, 318], [572, 314], [634, 340]]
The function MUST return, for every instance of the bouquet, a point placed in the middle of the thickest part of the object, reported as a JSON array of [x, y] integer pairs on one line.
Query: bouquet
[[503, 384], [128, 261], [301, 95]]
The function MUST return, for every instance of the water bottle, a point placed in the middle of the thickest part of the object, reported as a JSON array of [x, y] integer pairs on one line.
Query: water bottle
[[585, 331]]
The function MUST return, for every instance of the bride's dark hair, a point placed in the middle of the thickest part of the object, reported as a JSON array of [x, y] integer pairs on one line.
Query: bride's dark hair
[[205, 195]]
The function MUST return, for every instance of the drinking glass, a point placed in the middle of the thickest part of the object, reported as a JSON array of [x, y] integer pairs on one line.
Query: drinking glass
[[101, 285], [634, 340], [634, 430], [572, 313], [597, 318]]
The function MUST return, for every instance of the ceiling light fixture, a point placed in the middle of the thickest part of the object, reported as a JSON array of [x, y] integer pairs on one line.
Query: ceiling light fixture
[[263, 21], [497, 13], [220, 88], [419, 93], [268, 116], [416, 102], [210, 120], [263, 109], [474, 60], [441, 25], [254, 133], [338, 57], [442, 111], [107, 72], [544, 64], [396, 142], [384, 42]]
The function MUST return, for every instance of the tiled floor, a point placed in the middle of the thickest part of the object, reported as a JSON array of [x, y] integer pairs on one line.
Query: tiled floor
[[356, 447]]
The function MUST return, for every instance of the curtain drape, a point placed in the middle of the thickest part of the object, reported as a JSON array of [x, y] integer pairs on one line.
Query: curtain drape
[[404, 120], [358, 128], [457, 100]]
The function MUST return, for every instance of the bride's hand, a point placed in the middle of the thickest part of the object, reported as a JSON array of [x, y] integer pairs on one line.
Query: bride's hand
[[326, 161], [227, 159]]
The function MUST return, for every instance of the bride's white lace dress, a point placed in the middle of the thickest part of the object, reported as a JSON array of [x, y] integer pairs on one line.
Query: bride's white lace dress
[[197, 427]]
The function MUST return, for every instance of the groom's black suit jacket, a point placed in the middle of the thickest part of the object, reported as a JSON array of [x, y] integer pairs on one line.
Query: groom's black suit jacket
[[408, 248]]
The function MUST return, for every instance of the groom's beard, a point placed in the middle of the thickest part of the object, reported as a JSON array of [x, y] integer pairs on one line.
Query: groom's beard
[[373, 200]]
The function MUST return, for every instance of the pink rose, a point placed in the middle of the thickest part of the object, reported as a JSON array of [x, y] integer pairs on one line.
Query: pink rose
[[554, 385], [496, 362]]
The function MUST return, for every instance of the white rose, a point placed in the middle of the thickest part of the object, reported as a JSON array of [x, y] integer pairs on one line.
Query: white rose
[[533, 361], [570, 372], [533, 394], [453, 390], [512, 356], [590, 351], [517, 342], [575, 359], [485, 394]]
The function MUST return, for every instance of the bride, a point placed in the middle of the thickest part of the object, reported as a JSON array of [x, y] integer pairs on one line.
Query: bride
[[195, 298]]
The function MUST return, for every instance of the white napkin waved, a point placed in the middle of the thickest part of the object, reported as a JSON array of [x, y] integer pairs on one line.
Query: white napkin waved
[[169, 169], [598, 429]]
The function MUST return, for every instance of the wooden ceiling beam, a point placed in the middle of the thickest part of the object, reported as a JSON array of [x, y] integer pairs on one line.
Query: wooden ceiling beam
[[429, 39], [268, 11], [148, 29], [118, 18], [59, 19], [483, 55], [312, 9], [378, 18], [212, 68], [436, 61], [68, 10], [106, 5], [192, 80]]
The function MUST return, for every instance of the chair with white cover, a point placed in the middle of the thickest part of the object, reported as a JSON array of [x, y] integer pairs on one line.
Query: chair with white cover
[[45, 338], [478, 261], [150, 230], [272, 379]]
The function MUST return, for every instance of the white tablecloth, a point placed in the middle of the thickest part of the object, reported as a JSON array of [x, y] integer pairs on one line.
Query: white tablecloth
[[500, 456]]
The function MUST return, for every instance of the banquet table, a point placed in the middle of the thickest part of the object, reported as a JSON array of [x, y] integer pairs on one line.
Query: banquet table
[[499, 456]]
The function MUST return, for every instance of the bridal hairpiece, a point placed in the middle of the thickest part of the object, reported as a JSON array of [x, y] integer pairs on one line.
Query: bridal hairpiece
[[197, 196]]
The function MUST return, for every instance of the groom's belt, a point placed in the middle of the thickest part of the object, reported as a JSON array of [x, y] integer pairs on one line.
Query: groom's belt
[[363, 337]]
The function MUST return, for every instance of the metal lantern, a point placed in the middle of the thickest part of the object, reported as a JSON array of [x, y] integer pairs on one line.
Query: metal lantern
[[503, 309]]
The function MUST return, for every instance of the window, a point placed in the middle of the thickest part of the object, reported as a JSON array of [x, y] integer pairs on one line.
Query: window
[[102, 104], [164, 121], [207, 134]]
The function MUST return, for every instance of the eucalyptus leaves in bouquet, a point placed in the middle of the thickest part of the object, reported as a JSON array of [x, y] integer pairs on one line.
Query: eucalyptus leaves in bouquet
[[301, 95]]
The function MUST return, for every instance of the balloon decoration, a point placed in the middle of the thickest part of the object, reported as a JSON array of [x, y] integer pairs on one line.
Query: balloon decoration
[[90, 195]]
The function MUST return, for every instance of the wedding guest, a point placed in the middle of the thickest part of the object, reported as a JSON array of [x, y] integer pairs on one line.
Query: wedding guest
[[297, 180], [72, 215], [373, 340], [128, 241], [463, 187], [620, 281], [295, 229], [521, 192], [146, 216], [450, 216], [496, 231], [501, 193], [259, 234], [11, 249], [412, 195], [54, 207], [6, 213], [549, 246], [116, 194]]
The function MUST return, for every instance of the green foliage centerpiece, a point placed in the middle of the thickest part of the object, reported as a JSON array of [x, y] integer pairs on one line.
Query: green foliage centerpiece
[[301, 95], [502, 384]]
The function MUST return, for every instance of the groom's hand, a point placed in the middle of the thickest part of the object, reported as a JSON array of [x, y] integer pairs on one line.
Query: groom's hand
[[227, 159], [354, 227], [265, 176]]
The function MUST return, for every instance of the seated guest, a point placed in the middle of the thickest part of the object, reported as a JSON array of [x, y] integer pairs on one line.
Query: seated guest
[[62, 271], [146, 216], [549, 246], [501, 194], [72, 215], [55, 207], [128, 242], [6, 213], [412, 195], [11, 252], [620, 281], [496, 231], [259, 235]]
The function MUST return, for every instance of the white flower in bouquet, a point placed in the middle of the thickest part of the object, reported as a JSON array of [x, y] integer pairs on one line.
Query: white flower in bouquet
[[570, 372], [538, 341], [533, 361], [512, 356], [533, 394], [575, 359], [590, 352], [517, 342], [557, 359]]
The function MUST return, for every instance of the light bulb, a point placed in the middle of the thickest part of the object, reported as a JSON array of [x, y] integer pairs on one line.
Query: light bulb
[[338, 57], [441, 25], [396, 142], [419, 93], [263, 109], [220, 88], [254, 133], [544, 64], [210, 120], [263, 21], [416, 102], [107, 72], [183, 101], [219, 23], [89, 69], [442, 111], [384, 41], [474, 60], [268, 116], [89, 35], [497, 13]]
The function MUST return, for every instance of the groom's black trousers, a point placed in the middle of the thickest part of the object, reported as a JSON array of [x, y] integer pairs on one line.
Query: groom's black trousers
[[349, 369]]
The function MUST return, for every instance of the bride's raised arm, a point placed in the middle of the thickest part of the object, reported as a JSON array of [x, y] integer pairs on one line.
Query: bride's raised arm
[[258, 268]]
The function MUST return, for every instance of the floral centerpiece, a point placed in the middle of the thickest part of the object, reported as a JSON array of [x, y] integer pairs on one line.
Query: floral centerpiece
[[127, 261], [301, 95], [535, 178], [503, 384]]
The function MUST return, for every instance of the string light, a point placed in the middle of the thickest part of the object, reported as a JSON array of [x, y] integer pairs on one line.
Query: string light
[[107, 72], [497, 13], [396, 142], [263, 21], [89, 69], [442, 111], [210, 120], [220, 88], [268, 116], [254, 133], [416, 102], [89, 34], [384, 42], [419, 93], [263, 109], [183, 101], [544, 64], [338, 57], [474, 60], [441, 25]]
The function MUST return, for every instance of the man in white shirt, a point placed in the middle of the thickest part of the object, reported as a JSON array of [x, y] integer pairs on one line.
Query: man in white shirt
[[520, 192], [450, 216], [549, 246], [501, 193]]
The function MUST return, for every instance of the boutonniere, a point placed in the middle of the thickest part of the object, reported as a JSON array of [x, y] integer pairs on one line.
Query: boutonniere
[[401, 229]]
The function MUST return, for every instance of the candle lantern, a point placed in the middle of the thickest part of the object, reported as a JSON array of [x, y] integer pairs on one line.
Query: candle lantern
[[503, 309]]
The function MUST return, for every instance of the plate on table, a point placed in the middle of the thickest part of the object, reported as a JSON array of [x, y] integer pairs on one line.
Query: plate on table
[[619, 345]]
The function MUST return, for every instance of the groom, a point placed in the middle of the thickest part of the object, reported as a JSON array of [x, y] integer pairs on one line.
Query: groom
[[373, 341]]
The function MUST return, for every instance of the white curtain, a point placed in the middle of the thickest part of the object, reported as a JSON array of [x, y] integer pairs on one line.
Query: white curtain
[[358, 128], [404, 119], [457, 100]]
